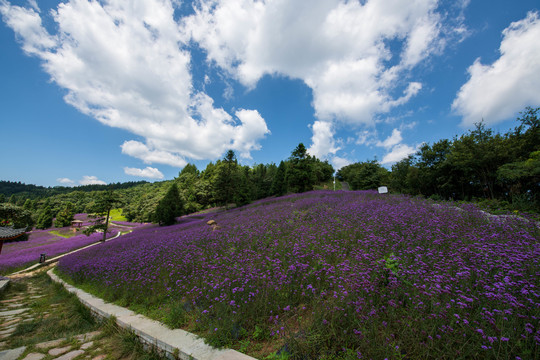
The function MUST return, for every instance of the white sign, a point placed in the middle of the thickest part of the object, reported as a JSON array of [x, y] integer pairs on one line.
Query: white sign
[[383, 190]]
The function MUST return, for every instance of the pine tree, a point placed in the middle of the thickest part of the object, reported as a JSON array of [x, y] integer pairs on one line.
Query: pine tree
[[65, 216], [101, 209], [169, 207], [27, 204], [45, 218], [300, 175], [224, 185], [279, 185]]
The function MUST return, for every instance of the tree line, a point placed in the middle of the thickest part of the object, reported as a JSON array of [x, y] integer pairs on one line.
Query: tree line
[[498, 169], [502, 170], [223, 183]]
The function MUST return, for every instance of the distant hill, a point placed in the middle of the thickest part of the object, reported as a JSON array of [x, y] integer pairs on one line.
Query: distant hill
[[9, 188]]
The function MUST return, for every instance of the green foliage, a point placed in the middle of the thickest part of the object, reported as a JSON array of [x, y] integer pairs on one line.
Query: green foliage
[[45, 219], [15, 216], [478, 165], [300, 177], [101, 210], [169, 207], [304, 171], [279, 184], [65, 216], [117, 215], [364, 175]]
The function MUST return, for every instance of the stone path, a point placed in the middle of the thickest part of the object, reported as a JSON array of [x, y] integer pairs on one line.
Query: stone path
[[25, 308]]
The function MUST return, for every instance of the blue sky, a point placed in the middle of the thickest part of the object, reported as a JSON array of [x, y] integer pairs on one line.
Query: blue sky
[[114, 91]]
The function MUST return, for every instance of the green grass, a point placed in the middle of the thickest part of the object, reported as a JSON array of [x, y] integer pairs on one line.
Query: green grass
[[66, 235], [329, 185], [60, 314], [116, 215]]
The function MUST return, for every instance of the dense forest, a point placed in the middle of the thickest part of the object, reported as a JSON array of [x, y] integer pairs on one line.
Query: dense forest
[[499, 171], [24, 191]]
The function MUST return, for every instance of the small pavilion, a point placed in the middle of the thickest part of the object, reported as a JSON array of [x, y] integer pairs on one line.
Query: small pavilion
[[76, 223], [9, 234]]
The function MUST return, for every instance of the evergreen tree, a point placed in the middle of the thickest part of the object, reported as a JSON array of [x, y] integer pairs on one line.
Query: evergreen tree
[[169, 207], [279, 185], [299, 174], [27, 204], [242, 191], [2, 198], [101, 209], [224, 185], [45, 218], [65, 216]]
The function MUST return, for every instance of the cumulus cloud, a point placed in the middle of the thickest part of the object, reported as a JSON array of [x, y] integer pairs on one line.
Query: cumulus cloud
[[339, 162], [338, 48], [128, 67], [148, 172], [322, 140], [150, 156], [91, 180], [498, 91], [65, 181], [392, 140], [366, 137], [398, 152]]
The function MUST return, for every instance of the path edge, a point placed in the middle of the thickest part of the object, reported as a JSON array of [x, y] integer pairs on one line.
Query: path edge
[[174, 344]]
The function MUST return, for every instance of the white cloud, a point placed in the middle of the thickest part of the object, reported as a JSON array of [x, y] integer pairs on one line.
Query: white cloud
[[91, 180], [338, 48], [128, 67], [148, 156], [367, 137], [148, 172], [65, 181], [392, 140], [339, 162], [33, 4], [29, 30], [498, 91], [399, 152], [322, 140]]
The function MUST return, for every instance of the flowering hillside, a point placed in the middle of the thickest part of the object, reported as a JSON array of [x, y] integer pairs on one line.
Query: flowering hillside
[[334, 275], [19, 254]]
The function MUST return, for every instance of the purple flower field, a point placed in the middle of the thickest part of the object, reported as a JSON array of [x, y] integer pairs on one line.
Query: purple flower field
[[341, 275], [19, 254]]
